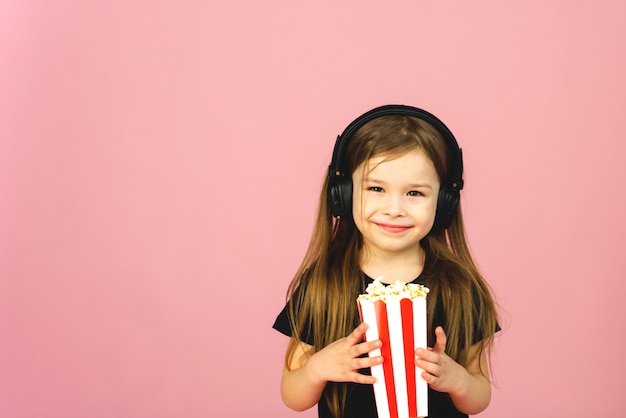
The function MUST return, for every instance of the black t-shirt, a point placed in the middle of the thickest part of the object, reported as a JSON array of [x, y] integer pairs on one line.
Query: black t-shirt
[[360, 402]]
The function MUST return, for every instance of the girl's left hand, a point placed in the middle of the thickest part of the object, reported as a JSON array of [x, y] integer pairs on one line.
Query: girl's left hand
[[441, 372]]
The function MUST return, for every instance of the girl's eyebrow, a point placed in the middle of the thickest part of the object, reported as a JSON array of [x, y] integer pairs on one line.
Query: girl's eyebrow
[[372, 179], [421, 185], [368, 179]]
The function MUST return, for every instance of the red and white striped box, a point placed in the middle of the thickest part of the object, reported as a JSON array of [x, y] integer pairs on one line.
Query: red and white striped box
[[400, 323]]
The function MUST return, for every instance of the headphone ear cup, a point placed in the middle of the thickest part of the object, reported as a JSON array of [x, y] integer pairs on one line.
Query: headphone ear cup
[[340, 197], [447, 203]]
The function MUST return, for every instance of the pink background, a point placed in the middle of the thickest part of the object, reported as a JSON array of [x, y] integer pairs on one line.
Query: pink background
[[160, 164]]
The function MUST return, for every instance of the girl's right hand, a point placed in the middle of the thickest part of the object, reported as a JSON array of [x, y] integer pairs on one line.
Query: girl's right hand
[[341, 360]]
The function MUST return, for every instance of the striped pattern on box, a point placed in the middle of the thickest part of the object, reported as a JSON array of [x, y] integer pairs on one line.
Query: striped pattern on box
[[400, 324]]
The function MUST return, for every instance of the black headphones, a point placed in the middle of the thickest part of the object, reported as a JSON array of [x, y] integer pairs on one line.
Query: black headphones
[[340, 179]]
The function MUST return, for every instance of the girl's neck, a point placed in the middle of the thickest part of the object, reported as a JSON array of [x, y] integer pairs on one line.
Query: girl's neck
[[404, 267]]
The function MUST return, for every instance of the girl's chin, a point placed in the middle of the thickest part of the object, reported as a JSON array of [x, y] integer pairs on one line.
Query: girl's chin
[[392, 248]]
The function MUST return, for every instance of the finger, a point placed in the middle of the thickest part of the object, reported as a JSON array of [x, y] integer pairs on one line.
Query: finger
[[429, 378], [433, 369], [359, 350], [364, 379], [365, 362], [428, 355], [357, 335], [367, 347], [440, 343]]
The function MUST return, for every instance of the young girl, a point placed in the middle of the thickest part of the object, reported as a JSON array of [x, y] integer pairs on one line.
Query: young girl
[[389, 207]]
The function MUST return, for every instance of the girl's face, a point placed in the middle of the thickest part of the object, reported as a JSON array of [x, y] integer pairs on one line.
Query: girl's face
[[394, 202]]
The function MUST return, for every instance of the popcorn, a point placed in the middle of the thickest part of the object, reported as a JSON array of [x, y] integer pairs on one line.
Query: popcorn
[[377, 290], [396, 314]]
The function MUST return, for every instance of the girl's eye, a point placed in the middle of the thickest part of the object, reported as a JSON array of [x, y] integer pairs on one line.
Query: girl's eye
[[414, 193], [375, 189]]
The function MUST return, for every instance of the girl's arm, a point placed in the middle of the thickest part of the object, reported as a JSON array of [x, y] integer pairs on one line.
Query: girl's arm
[[305, 379], [468, 387], [298, 388]]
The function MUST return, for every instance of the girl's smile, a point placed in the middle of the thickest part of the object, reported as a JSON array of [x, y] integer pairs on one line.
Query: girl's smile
[[396, 229]]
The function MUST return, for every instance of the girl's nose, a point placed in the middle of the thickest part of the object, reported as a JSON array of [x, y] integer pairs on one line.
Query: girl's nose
[[394, 206]]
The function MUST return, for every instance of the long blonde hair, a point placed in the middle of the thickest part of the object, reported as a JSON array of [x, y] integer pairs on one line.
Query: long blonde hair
[[331, 274]]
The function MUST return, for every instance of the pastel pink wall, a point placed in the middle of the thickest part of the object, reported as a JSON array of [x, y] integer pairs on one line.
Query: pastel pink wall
[[159, 170]]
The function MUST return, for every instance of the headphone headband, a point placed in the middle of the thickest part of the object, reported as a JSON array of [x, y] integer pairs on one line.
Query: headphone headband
[[340, 180], [337, 165]]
